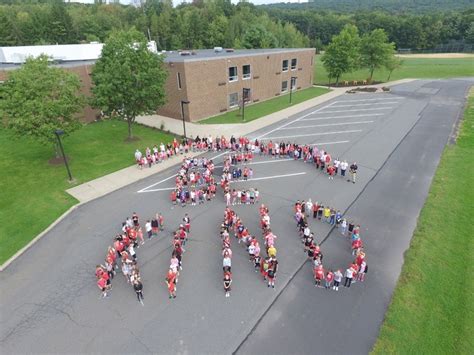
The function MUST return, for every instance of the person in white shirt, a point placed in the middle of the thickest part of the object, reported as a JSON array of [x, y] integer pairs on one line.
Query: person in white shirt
[[309, 207], [148, 229], [337, 280], [349, 274], [138, 155], [343, 166], [343, 226], [336, 164]]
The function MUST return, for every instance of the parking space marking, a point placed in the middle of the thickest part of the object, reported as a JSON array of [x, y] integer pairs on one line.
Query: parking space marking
[[360, 109], [331, 117], [233, 182], [371, 104], [296, 120], [157, 183], [329, 143], [379, 99], [328, 125], [314, 134]]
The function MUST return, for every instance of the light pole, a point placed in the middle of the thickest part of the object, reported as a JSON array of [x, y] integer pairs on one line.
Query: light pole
[[292, 82], [59, 133], [184, 102], [245, 93]]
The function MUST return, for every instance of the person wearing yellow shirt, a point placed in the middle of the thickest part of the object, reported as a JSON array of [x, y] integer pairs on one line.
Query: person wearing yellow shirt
[[272, 252], [327, 213]]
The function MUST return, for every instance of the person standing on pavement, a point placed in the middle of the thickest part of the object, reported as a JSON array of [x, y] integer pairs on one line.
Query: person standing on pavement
[[353, 170], [227, 283], [337, 280], [343, 166], [349, 275]]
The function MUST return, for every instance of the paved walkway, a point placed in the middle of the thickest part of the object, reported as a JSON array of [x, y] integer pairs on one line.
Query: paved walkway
[[108, 183]]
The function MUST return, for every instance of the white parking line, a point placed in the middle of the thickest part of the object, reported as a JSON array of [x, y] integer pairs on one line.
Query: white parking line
[[157, 183], [371, 104], [379, 99], [269, 177], [331, 117], [300, 118], [360, 109], [233, 182], [329, 124], [329, 143], [314, 134], [279, 160]]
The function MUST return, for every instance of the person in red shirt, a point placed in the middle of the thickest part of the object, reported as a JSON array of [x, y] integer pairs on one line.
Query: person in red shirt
[[331, 171], [329, 279], [173, 197], [102, 285], [318, 275], [171, 283]]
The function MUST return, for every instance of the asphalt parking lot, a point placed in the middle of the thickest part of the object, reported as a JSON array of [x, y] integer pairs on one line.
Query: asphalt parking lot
[[50, 302]]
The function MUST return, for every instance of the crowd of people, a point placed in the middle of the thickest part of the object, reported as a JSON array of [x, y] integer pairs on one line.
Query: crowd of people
[[124, 249], [180, 237], [243, 150], [266, 265], [194, 182], [332, 279]]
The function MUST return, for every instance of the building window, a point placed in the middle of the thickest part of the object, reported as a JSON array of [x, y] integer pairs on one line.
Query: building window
[[293, 84], [246, 72], [246, 94], [293, 64], [284, 86], [233, 100], [178, 78], [233, 74], [284, 65]]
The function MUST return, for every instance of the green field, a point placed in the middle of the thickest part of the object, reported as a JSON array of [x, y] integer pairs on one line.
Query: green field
[[411, 68], [257, 110], [432, 310], [33, 191]]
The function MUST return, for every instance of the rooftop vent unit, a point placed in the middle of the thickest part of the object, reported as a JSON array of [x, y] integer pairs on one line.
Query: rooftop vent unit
[[229, 50], [218, 49]]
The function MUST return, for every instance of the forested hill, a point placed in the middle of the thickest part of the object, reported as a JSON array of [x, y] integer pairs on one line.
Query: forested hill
[[393, 6]]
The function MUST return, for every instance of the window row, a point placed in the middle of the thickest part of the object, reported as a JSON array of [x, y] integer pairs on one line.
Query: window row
[[234, 75], [284, 64], [284, 85], [234, 98]]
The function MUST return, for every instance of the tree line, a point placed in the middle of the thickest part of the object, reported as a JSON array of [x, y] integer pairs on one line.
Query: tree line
[[392, 6], [203, 24], [406, 30]]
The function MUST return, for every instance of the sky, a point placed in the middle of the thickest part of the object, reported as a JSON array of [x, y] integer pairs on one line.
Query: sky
[[177, 2]]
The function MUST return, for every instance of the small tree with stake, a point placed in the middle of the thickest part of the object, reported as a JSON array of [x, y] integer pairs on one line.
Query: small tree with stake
[[38, 99], [128, 78]]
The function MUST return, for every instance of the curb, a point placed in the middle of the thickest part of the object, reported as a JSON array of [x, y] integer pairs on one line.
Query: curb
[[38, 237], [60, 218]]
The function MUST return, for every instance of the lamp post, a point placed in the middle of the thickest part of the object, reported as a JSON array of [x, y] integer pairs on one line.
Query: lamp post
[[59, 133], [292, 82], [184, 102], [245, 93]]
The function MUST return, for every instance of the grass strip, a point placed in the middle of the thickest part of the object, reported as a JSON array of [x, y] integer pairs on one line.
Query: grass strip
[[257, 110], [432, 309]]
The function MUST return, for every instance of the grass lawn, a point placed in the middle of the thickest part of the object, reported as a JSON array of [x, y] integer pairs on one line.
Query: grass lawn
[[33, 191], [432, 310], [257, 110], [411, 68]]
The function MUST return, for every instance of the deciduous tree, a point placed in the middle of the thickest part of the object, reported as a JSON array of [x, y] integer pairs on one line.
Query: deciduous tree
[[342, 54], [128, 78], [375, 50], [37, 99]]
